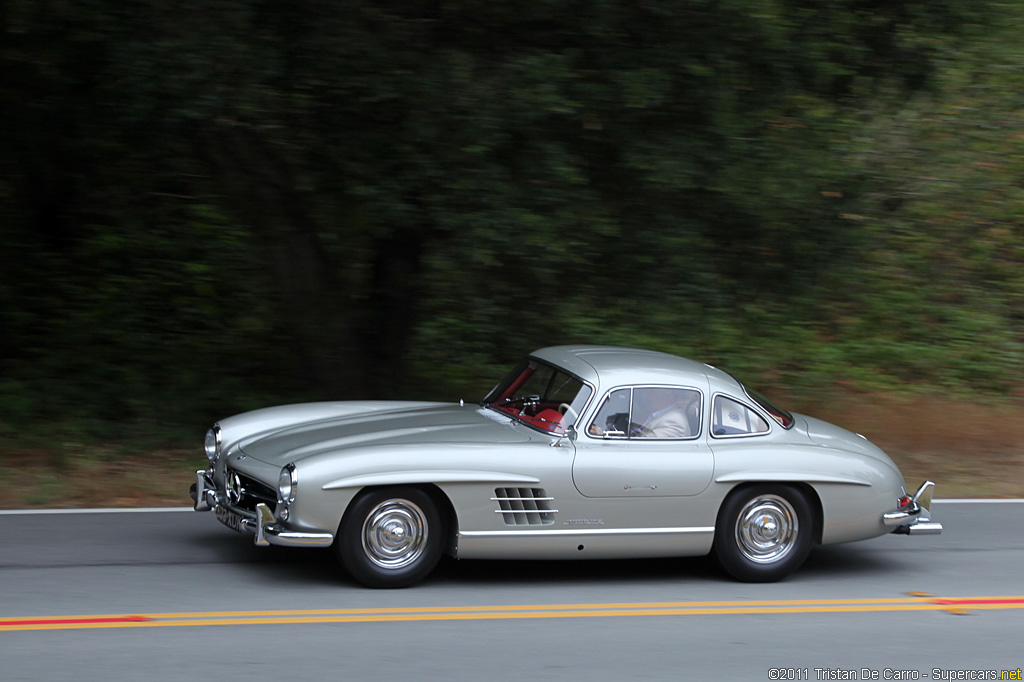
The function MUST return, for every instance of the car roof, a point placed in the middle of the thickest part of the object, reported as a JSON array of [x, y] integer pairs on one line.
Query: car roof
[[607, 366]]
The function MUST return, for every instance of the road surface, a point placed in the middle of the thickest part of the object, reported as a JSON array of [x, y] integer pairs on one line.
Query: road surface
[[173, 595]]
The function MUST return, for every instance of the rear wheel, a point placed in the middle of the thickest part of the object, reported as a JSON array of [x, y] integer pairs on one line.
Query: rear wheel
[[764, 532], [391, 537]]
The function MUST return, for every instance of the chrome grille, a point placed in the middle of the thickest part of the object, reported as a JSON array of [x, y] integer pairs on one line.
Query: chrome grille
[[524, 506], [246, 492]]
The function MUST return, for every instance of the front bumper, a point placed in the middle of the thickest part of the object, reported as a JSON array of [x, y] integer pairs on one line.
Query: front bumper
[[266, 529], [914, 518]]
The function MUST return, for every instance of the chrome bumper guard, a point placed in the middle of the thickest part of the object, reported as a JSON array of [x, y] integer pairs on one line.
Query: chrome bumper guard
[[915, 517], [262, 524], [203, 492]]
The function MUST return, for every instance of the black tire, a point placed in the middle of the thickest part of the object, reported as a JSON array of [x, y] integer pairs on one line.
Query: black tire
[[764, 532], [391, 537]]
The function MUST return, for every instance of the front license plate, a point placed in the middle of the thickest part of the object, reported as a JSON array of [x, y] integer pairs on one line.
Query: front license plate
[[229, 518]]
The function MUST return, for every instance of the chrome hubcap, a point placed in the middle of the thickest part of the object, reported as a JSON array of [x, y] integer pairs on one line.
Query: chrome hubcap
[[394, 533], [766, 529]]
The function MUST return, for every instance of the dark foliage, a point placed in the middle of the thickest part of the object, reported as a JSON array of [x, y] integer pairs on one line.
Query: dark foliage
[[206, 206]]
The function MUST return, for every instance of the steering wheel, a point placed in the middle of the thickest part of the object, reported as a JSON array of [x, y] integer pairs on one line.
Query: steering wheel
[[566, 408]]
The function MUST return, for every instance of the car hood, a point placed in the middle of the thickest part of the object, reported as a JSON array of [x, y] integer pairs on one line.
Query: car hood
[[831, 436], [410, 424]]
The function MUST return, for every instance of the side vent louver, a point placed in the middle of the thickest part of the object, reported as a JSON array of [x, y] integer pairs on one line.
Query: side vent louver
[[524, 506]]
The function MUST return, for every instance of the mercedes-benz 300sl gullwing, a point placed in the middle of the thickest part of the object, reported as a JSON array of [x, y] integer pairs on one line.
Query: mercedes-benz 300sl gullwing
[[579, 452]]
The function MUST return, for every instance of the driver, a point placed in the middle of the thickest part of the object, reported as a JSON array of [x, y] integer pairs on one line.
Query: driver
[[668, 418]]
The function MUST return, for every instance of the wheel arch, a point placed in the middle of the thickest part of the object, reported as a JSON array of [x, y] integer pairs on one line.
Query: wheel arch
[[449, 516], [804, 487]]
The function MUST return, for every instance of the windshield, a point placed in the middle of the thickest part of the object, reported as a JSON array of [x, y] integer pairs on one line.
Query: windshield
[[540, 396]]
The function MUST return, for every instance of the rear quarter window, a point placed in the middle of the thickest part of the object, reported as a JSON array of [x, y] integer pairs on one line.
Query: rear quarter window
[[732, 418]]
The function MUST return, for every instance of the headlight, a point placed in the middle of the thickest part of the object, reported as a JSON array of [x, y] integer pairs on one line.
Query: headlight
[[212, 444], [287, 483]]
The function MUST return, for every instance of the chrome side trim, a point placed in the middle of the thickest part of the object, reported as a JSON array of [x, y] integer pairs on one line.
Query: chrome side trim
[[685, 530], [432, 476], [784, 476]]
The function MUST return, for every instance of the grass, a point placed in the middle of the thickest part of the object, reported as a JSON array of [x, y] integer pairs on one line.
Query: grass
[[96, 476], [969, 449]]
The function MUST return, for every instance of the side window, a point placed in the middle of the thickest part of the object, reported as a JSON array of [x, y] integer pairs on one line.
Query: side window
[[732, 418], [649, 412], [612, 418], [665, 413]]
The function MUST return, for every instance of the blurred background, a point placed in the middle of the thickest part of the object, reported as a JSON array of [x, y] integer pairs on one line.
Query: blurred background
[[208, 206]]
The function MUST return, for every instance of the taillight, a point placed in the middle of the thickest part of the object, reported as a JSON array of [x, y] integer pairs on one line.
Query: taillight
[[903, 502]]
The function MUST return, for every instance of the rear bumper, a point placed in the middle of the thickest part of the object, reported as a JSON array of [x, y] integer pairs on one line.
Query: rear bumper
[[265, 528], [914, 518]]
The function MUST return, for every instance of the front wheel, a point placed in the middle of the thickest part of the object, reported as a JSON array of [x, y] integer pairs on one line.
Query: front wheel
[[391, 537], [764, 532]]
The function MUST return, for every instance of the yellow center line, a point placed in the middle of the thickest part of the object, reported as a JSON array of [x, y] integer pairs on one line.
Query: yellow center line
[[509, 612], [539, 607]]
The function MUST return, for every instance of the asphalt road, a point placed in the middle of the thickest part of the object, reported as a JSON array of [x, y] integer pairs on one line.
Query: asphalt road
[[173, 595]]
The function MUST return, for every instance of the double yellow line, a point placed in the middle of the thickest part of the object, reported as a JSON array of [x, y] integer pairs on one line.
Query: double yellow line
[[915, 602]]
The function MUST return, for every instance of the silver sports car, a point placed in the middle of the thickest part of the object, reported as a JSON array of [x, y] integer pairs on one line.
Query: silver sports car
[[579, 452]]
